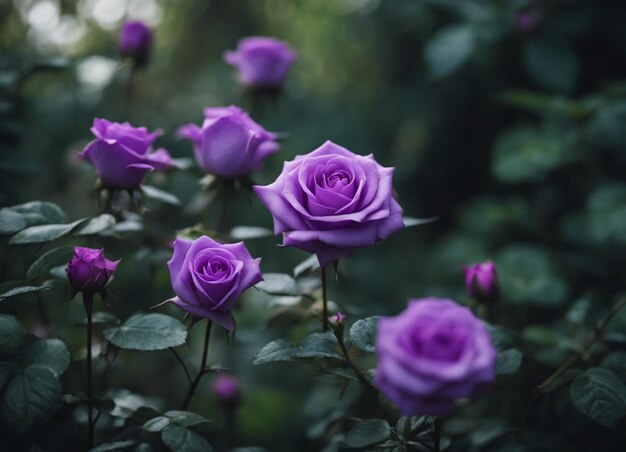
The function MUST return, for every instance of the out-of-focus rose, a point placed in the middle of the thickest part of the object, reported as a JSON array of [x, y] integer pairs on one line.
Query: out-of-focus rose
[[122, 154], [262, 61], [331, 201], [208, 277], [89, 271], [431, 354], [229, 144], [527, 21], [226, 390], [481, 281], [136, 41]]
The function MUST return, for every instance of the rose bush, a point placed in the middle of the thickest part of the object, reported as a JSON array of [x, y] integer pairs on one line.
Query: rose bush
[[122, 154], [208, 277], [261, 61], [431, 354], [331, 201], [229, 144]]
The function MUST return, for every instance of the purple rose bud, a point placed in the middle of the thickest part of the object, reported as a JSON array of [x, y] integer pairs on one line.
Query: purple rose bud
[[481, 281], [226, 389], [338, 319], [229, 144], [431, 354], [330, 201], [122, 154], [136, 41], [262, 62], [89, 271], [208, 277], [527, 21]]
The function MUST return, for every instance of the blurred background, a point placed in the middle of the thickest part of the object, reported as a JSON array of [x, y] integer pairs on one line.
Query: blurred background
[[506, 120]]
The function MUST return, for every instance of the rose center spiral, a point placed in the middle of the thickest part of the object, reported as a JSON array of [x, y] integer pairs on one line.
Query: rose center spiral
[[438, 342]]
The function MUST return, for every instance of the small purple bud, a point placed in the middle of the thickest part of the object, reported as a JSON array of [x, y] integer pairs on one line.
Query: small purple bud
[[527, 21], [481, 281], [226, 390], [338, 319], [136, 41], [89, 271]]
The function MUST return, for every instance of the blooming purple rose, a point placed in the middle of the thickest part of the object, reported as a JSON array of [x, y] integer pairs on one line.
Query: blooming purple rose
[[432, 353], [261, 61], [88, 271], [208, 277], [481, 281], [136, 41], [331, 201], [229, 144], [122, 154], [226, 390]]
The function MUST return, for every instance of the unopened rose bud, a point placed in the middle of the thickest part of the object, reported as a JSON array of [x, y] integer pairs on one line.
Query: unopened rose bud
[[337, 319], [226, 390], [89, 271], [481, 281], [136, 41]]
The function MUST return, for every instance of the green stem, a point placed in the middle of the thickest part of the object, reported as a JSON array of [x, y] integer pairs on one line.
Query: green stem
[[324, 299], [201, 371], [88, 302], [437, 434], [359, 375]]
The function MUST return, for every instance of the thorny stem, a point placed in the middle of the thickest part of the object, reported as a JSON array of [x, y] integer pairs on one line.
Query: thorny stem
[[324, 300], [593, 337], [88, 302], [201, 372]]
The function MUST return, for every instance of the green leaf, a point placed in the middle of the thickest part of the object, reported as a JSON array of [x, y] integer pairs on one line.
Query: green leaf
[[12, 335], [14, 219], [6, 373], [50, 353], [502, 337], [449, 49], [616, 361], [20, 290], [363, 334], [148, 332], [278, 284], [49, 260], [310, 263], [118, 445], [544, 103], [191, 420], [509, 362], [97, 224], [30, 397], [180, 439], [156, 424], [552, 63], [600, 395], [44, 233], [160, 195], [318, 345], [249, 232], [278, 350], [367, 433]]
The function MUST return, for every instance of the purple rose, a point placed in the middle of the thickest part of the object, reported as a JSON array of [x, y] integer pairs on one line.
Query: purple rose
[[121, 153], [208, 277], [229, 144], [88, 271], [261, 61], [432, 353], [136, 41], [226, 390], [331, 201], [481, 281]]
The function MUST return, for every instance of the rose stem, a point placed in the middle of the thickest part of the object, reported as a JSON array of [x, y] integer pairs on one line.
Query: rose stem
[[437, 434], [324, 299], [595, 334], [88, 302], [201, 372], [364, 381]]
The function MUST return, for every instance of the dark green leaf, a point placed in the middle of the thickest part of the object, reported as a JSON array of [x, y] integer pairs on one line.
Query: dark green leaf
[[11, 335], [20, 290], [119, 445], [501, 337], [600, 395], [160, 195], [249, 232], [6, 373], [50, 353], [16, 218], [367, 433], [278, 284], [318, 345], [278, 350], [449, 49], [156, 424], [544, 103], [363, 334], [30, 397], [44, 233], [180, 439], [552, 63], [49, 260], [616, 361], [509, 362], [148, 332], [97, 224], [191, 421]]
